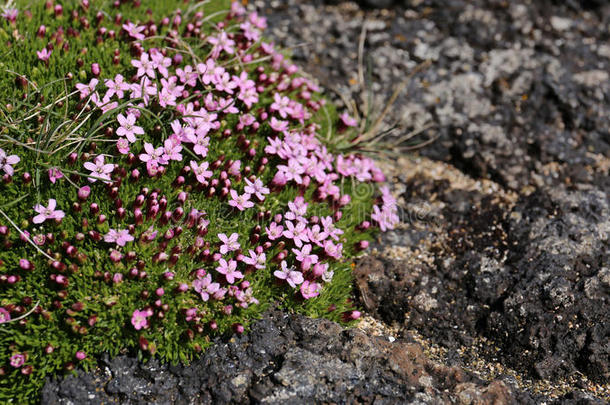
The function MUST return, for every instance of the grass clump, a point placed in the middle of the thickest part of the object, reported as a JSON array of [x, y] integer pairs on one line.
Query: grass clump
[[163, 182]]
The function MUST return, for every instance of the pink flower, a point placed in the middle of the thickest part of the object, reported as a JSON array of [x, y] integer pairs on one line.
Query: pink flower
[[297, 233], [201, 171], [139, 319], [274, 231], [278, 125], [229, 270], [305, 257], [86, 89], [333, 250], [330, 229], [316, 235], [143, 90], [117, 86], [144, 66], [160, 62], [128, 128], [44, 54], [122, 146], [237, 9], [245, 121], [200, 143], [5, 316], [241, 202], [17, 360], [258, 21], [191, 314], [47, 213], [80, 355], [204, 287], [298, 208], [310, 289], [347, 120], [10, 14], [257, 188], [223, 82], [387, 217], [120, 237], [134, 31], [230, 243], [250, 32], [187, 76], [172, 148], [171, 85], [7, 162], [293, 171], [234, 168], [153, 156], [257, 260], [221, 43], [54, 174], [98, 169], [282, 105], [249, 96], [292, 276]]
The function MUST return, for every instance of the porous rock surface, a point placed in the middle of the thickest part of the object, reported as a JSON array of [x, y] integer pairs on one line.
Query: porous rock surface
[[288, 360]]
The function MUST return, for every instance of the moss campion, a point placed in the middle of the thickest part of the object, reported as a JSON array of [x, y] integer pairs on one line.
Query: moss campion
[[163, 182]]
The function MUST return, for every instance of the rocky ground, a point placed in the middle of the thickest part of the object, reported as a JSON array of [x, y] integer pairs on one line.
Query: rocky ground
[[496, 287]]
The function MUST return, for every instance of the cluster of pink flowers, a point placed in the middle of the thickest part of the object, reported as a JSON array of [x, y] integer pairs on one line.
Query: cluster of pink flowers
[[312, 242], [386, 216], [297, 247]]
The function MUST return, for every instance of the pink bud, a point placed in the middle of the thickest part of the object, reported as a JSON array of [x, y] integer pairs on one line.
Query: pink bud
[[84, 192], [362, 245], [279, 179], [25, 264], [116, 256], [318, 269], [80, 355], [364, 225], [95, 69]]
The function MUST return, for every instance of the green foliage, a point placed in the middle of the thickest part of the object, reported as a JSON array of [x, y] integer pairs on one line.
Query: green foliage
[[43, 121]]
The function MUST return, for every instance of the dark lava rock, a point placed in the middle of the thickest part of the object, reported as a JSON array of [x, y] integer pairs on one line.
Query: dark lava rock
[[557, 316], [512, 85], [287, 359], [533, 279]]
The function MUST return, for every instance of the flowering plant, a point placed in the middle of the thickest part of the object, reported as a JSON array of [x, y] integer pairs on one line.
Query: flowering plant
[[164, 181]]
